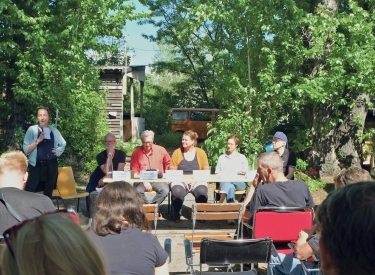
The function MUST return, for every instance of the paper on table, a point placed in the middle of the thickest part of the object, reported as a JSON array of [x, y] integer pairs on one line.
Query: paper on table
[[201, 175], [46, 132], [174, 175], [250, 175], [227, 174], [121, 175]]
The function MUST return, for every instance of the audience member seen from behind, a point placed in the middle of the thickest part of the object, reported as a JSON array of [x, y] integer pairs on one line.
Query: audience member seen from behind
[[279, 142], [276, 191], [307, 244], [50, 244], [13, 176], [345, 223], [118, 163], [150, 156], [118, 230], [351, 175], [188, 158], [42, 144], [231, 163]]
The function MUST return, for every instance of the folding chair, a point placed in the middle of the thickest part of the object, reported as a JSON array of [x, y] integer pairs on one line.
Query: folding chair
[[213, 211], [66, 187], [282, 225], [168, 248], [217, 192], [152, 213], [223, 253], [308, 270]]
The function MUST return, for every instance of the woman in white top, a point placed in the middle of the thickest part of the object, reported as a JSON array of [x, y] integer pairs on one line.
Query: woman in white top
[[231, 162]]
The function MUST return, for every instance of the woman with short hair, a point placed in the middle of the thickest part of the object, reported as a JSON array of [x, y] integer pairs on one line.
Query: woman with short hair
[[231, 162], [43, 144]]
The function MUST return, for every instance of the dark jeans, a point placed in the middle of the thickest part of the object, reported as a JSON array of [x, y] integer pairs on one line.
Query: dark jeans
[[93, 183], [42, 177]]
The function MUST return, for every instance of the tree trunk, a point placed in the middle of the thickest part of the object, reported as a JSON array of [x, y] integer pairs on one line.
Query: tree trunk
[[339, 148]]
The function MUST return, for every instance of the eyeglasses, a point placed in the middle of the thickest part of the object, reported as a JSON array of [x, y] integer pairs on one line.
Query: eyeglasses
[[11, 233], [147, 142], [109, 141]]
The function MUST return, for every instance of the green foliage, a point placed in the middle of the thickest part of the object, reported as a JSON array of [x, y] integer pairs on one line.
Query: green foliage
[[238, 121], [313, 183], [169, 140], [44, 62], [157, 108], [302, 165], [306, 60], [131, 145], [308, 175]]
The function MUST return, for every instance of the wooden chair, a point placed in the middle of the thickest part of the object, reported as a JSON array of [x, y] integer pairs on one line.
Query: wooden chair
[[223, 253], [282, 225], [213, 211], [66, 187], [152, 213], [217, 192], [169, 198]]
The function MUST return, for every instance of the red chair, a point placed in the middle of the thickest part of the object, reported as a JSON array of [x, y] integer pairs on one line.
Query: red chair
[[282, 225]]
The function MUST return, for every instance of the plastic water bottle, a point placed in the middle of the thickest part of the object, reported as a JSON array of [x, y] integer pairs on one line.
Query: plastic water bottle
[[109, 166]]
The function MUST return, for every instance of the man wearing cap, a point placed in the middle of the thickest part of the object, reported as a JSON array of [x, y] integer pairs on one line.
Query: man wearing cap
[[279, 142]]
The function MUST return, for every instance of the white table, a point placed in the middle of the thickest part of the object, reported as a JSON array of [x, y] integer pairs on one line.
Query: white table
[[188, 178]]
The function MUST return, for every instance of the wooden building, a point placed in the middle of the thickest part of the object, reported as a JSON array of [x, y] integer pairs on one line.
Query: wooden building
[[113, 79]]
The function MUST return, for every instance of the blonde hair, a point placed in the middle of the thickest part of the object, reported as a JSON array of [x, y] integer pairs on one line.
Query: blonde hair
[[13, 161], [192, 135], [52, 244]]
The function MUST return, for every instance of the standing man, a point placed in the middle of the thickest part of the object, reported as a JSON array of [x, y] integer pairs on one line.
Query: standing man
[[43, 144], [150, 156], [279, 142], [118, 161], [13, 176]]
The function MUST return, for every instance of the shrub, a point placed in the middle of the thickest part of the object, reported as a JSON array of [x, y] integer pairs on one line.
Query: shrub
[[308, 175], [169, 140]]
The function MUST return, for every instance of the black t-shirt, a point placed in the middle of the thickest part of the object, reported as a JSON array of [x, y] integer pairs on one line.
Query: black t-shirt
[[119, 157], [291, 193], [289, 159]]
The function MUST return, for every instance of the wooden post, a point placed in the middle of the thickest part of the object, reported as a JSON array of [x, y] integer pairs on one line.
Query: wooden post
[[132, 109], [141, 97]]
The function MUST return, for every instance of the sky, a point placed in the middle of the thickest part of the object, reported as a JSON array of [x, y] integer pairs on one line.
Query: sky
[[140, 49]]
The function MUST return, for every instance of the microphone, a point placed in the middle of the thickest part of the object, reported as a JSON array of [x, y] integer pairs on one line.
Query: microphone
[[42, 126]]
